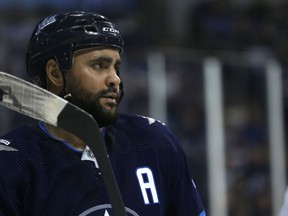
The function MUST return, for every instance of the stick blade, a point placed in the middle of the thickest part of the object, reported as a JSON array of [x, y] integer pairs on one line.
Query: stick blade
[[29, 99]]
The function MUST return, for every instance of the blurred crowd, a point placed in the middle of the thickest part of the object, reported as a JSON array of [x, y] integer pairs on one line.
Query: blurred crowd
[[222, 25], [260, 27], [213, 27]]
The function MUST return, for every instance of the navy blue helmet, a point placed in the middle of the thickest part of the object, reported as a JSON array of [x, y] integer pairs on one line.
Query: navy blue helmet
[[59, 36]]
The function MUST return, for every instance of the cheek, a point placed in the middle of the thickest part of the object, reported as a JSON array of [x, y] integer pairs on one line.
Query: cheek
[[88, 84], [91, 84], [82, 77]]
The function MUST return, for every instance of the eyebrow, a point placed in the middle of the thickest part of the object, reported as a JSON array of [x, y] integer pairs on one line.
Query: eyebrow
[[104, 59]]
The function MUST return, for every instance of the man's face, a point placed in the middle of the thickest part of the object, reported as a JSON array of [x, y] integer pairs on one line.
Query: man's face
[[94, 83]]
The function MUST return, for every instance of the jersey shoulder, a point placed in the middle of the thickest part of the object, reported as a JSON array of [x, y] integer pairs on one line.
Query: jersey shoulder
[[139, 125], [21, 135], [15, 149], [144, 133], [139, 121]]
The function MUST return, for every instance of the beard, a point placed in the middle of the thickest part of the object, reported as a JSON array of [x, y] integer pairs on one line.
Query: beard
[[90, 102]]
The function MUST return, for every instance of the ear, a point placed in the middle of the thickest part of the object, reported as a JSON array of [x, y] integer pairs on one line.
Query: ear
[[54, 75]]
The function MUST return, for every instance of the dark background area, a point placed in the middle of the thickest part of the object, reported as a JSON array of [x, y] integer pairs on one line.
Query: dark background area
[[242, 34]]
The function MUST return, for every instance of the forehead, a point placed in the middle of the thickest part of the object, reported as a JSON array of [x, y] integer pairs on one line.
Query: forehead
[[97, 52]]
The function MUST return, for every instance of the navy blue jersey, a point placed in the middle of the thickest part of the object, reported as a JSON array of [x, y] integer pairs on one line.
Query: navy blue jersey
[[40, 175]]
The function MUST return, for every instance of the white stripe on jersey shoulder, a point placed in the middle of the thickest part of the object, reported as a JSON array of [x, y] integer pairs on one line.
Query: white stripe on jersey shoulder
[[151, 120]]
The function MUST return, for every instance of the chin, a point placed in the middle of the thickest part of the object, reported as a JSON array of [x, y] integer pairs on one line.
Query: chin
[[106, 117]]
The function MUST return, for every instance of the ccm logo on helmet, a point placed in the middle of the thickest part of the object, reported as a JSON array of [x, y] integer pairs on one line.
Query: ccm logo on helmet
[[110, 30]]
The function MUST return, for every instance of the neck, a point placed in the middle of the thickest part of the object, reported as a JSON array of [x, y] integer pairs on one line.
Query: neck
[[63, 135]]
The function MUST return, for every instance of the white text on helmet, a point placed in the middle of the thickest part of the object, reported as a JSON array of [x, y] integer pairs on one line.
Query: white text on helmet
[[45, 23], [110, 30]]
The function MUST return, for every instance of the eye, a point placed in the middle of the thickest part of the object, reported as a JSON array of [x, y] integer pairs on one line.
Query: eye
[[99, 65]]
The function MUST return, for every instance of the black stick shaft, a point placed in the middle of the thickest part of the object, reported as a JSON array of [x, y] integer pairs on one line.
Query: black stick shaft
[[87, 129]]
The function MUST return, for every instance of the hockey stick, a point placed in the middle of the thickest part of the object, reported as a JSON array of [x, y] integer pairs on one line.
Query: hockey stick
[[35, 102]]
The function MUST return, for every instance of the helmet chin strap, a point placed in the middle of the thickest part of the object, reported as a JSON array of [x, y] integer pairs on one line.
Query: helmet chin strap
[[63, 94]]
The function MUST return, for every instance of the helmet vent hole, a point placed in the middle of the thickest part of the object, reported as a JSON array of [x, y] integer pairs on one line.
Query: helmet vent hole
[[90, 29]]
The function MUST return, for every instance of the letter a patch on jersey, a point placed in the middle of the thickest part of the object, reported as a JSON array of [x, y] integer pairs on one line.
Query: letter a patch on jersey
[[147, 185]]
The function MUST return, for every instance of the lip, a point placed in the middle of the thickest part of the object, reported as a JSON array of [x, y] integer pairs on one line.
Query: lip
[[110, 99], [111, 95]]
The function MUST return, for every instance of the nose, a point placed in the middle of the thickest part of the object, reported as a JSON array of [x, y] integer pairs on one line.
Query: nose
[[113, 78]]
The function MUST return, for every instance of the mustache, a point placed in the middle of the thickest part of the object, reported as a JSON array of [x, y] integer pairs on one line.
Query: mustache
[[111, 89]]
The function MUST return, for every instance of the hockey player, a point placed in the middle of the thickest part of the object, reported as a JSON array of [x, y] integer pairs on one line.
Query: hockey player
[[45, 170]]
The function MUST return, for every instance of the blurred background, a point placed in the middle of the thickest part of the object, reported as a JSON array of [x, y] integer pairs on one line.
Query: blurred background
[[214, 72]]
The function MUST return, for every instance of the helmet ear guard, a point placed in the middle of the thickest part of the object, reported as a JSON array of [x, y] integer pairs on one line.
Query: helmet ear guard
[[36, 67]]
